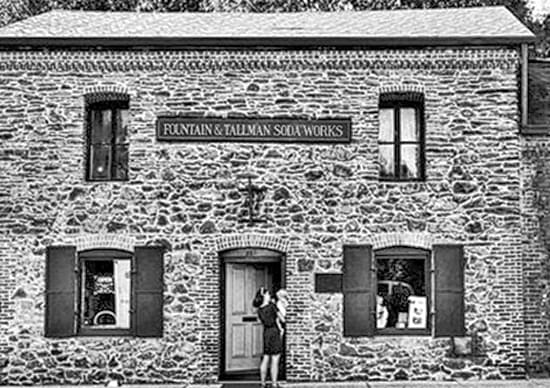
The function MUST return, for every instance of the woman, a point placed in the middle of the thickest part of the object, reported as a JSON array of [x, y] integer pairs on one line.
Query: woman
[[273, 342]]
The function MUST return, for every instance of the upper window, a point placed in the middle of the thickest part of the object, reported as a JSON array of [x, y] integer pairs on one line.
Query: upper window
[[401, 136], [107, 157]]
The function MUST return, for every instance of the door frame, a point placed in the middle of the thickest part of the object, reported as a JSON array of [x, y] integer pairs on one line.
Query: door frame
[[248, 255]]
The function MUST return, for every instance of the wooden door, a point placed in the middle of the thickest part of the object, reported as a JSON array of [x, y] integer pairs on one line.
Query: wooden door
[[243, 329]]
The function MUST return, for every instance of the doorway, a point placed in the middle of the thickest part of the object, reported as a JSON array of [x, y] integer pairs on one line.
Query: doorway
[[243, 272]]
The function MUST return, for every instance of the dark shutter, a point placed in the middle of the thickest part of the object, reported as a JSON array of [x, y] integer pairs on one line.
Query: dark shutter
[[60, 291], [357, 285], [148, 286], [449, 290]]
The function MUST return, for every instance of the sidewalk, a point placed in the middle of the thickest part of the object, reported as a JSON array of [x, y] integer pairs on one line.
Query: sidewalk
[[531, 383]]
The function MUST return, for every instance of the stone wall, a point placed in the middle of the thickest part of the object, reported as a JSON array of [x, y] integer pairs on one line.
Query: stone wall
[[186, 197]]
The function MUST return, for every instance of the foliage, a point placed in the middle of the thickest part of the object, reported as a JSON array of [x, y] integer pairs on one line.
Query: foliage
[[542, 30], [24, 8], [519, 7], [297, 5]]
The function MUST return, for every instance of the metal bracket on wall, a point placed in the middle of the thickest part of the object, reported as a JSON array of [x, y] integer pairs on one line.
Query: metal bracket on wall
[[466, 346], [254, 196]]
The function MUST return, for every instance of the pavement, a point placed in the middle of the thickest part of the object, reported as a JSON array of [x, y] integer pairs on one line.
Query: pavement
[[530, 383]]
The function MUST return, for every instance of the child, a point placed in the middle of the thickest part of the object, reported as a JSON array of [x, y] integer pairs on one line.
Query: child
[[282, 304]]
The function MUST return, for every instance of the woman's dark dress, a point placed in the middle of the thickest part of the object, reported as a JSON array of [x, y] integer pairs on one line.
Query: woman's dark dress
[[273, 343]]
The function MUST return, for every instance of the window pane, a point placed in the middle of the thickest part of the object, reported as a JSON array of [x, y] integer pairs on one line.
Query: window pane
[[120, 161], [401, 300], [101, 126], [410, 161], [409, 126], [106, 293], [121, 131], [100, 162], [386, 160], [386, 131], [122, 293], [98, 294]]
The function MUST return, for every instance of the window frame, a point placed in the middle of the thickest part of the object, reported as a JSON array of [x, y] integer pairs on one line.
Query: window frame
[[396, 105], [98, 255], [114, 106], [411, 253]]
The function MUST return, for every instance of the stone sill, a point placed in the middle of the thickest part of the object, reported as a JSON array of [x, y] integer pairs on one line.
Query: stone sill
[[394, 332], [535, 129]]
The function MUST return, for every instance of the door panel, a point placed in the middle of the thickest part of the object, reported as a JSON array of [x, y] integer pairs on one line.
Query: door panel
[[238, 293], [238, 342], [243, 329]]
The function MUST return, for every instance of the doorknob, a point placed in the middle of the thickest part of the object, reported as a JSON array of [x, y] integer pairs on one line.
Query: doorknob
[[250, 318]]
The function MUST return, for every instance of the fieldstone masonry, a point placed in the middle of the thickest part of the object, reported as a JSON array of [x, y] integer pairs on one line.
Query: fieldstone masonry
[[186, 197]]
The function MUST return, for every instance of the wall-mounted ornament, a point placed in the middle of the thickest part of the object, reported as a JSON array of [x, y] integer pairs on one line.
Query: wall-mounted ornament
[[254, 195]]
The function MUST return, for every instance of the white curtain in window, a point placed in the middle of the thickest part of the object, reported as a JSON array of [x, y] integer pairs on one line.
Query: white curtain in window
[[122, 293]]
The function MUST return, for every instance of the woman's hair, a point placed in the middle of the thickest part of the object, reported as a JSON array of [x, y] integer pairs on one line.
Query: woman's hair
[[259, 298]]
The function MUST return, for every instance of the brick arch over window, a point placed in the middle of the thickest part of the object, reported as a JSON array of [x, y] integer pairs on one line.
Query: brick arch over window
[[106, 241], [106, 93], [234, 241], [416, 89], [413, 240]]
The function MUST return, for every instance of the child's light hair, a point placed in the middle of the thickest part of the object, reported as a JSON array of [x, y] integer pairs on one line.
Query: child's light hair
[[282, 294]]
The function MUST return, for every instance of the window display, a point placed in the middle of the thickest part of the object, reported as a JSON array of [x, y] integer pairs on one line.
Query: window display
[[106, 293], [401, 293]]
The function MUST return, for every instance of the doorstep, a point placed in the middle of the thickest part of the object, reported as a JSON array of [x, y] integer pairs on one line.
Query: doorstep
[[244, 384]]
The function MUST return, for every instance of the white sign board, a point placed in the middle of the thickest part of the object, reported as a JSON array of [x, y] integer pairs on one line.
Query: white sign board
[[418, 312]]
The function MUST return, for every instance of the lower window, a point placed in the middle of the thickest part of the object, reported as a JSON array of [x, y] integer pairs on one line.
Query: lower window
[[105, 290], [403, 296]]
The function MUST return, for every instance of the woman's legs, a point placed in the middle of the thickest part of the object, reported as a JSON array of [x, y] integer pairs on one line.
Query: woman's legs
[[263, 368], [275, 368]]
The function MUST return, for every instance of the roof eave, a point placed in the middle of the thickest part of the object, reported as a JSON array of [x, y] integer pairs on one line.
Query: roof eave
[[175, 42]]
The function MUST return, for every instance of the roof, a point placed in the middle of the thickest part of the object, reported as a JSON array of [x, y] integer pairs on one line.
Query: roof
[[450, 26]]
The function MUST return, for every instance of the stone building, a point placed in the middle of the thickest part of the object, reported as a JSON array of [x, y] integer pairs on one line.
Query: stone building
[[156, 169]]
